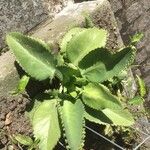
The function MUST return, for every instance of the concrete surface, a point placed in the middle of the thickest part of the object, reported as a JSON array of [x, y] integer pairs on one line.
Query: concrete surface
[[22, 15]]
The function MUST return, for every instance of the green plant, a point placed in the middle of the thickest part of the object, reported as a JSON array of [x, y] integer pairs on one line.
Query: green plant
[[21, 85], [139, 98], [25, 141], [82, 66]]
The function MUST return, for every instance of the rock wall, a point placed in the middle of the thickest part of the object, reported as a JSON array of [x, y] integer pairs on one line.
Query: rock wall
[[134, 16], [22, 15]]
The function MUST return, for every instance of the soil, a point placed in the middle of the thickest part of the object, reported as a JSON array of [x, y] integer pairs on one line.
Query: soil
[[13, 119]]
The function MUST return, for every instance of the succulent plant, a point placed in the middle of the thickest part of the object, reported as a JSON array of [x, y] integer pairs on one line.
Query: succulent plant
[[82, 65]]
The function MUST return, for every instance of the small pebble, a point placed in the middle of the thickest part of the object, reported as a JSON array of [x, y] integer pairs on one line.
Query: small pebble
[[10, 147], [20, 100], [11, 100], [12, 107], [8, 119]]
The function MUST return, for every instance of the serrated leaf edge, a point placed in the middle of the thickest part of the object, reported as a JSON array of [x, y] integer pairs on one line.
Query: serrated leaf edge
[[63, 128], [35, 40], [133, 54]]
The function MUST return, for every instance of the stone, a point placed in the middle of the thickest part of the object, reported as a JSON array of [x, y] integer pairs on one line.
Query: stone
[[147, 81], [143, 22], [148, 49], [133, 12], [102, 18], [128, 3], [101, 15], [52, 32], [117, 5], [9, 76], [146, 68], [8, 119], [141, 57], [78, 1], [18, 15], [142, 124], [129, 85], [145, 41], [145, 4]]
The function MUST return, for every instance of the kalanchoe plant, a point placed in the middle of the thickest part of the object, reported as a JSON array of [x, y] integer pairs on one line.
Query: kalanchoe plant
[[82, 65]]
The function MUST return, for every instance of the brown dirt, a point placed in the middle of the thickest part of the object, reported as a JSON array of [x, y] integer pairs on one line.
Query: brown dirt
[[13, 120]]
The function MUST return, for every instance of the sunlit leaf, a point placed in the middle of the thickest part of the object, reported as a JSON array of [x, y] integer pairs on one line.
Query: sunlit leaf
[[101, 65], [97, 96], [23, 139], [136, 38], [68, 36], [21, 85], [84, 42], [137, 100], [46, 125], [33, 56], [142, 86], [119, 117], [72, 114]]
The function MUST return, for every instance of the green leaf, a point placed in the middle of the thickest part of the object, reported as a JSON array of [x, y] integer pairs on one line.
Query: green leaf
[[109, 116], [80, 81], [68, 36], [84, 42], [21, 85], [23, 139], [33, 56], [34, 146], [72, 114], [119, 117], [46, 125], [105, 65], [98, 96], [59, 58], [136, 38], [142, 86], [137, 100], [68, 73], [96, 116], [36, 102], [88, 21]]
